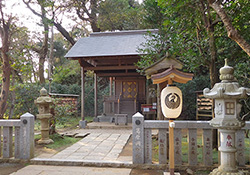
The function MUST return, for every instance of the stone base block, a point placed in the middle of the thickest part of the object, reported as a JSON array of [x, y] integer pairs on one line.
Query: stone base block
[[95, 119], [121, 118], [44, 142], [82, 124], [217, 172]]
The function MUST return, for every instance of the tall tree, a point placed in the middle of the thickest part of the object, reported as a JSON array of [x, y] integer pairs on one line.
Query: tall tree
[[119, 15], [87, 10], [232, 32], [42, 50], [192, 28], [5, 33]]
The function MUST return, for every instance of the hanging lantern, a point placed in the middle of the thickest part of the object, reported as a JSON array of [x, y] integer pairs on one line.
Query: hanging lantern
[[171, 101]]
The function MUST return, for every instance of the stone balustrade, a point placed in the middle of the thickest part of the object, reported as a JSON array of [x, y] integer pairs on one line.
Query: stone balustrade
[[23, 132], [142, 142]]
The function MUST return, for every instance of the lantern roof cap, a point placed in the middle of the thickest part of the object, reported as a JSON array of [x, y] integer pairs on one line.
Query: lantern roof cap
[[44, 98], [228, 87]]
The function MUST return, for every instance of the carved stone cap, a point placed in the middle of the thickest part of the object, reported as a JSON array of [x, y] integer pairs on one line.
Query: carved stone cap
[[43, 92], [44, 98], [226, 73], [228, 87]]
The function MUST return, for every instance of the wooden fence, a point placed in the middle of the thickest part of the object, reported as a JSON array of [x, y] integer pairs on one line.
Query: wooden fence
[[142, 142], [23, 130]]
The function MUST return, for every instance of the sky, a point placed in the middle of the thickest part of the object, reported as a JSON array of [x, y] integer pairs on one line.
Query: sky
[[28, 19]]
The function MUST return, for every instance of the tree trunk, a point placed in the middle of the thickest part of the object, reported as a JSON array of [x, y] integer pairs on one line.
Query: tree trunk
[[13, 101], [213, 57], [4, 31], [41, 70], [231, 31], [44, 50], [209, 25]]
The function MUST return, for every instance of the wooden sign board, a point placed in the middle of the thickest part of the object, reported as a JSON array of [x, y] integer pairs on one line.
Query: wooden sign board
[[171, 102]]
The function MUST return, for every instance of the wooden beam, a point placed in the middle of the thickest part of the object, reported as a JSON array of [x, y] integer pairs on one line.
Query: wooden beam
[[110, 68], [118, 74], [84, 63]]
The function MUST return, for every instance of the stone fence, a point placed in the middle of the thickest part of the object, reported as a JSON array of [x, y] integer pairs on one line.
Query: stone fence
[[23, 130], [142, 142]]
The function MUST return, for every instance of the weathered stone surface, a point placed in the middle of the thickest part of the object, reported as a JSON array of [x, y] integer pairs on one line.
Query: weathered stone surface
[[17, 142], [240, 145], [148, 146], [177, 147], [226, 95], [27, 132], [43, 102], [138, 138], [162, 141], [207, 141], [192, 146], [7, 142]]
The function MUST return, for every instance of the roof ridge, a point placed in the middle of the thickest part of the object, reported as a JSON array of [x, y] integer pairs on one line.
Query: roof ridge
[[123, 32]]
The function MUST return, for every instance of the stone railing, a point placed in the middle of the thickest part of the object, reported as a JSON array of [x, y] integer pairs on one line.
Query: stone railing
[[23, 130], [142, 142]]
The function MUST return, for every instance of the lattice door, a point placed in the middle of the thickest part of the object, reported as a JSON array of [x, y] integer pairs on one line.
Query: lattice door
[[129, 89]]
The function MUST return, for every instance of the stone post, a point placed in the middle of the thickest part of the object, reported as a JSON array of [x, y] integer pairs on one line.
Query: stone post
[[27, 144], [227, 118], [43, 102], [138, 138]]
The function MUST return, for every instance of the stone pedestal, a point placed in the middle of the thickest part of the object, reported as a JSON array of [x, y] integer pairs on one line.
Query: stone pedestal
[[43, 102], [227, 149], [44, 118]]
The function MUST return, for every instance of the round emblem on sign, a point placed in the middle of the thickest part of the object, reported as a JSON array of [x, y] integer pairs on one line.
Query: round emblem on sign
[[172, 100]]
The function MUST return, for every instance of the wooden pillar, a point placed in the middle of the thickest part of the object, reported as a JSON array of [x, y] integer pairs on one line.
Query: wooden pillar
[[95, 88], [158, 102], [159, 89], [82, 93], [110, 85]]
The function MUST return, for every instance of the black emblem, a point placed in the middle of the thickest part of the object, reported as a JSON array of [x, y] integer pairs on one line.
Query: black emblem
[[137, 122], [172, 101]]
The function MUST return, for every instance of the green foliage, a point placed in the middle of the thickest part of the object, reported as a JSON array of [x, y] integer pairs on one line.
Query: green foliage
[[153, 49], [119, 15], [152, 18], [189, 95], [25, 96]]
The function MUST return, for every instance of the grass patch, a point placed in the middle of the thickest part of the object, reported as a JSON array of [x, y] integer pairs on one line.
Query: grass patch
[[64, 122], [89, 119], [60, 142]]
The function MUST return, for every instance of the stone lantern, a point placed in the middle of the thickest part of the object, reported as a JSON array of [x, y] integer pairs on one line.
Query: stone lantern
[[227, 108], [43, 102]]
